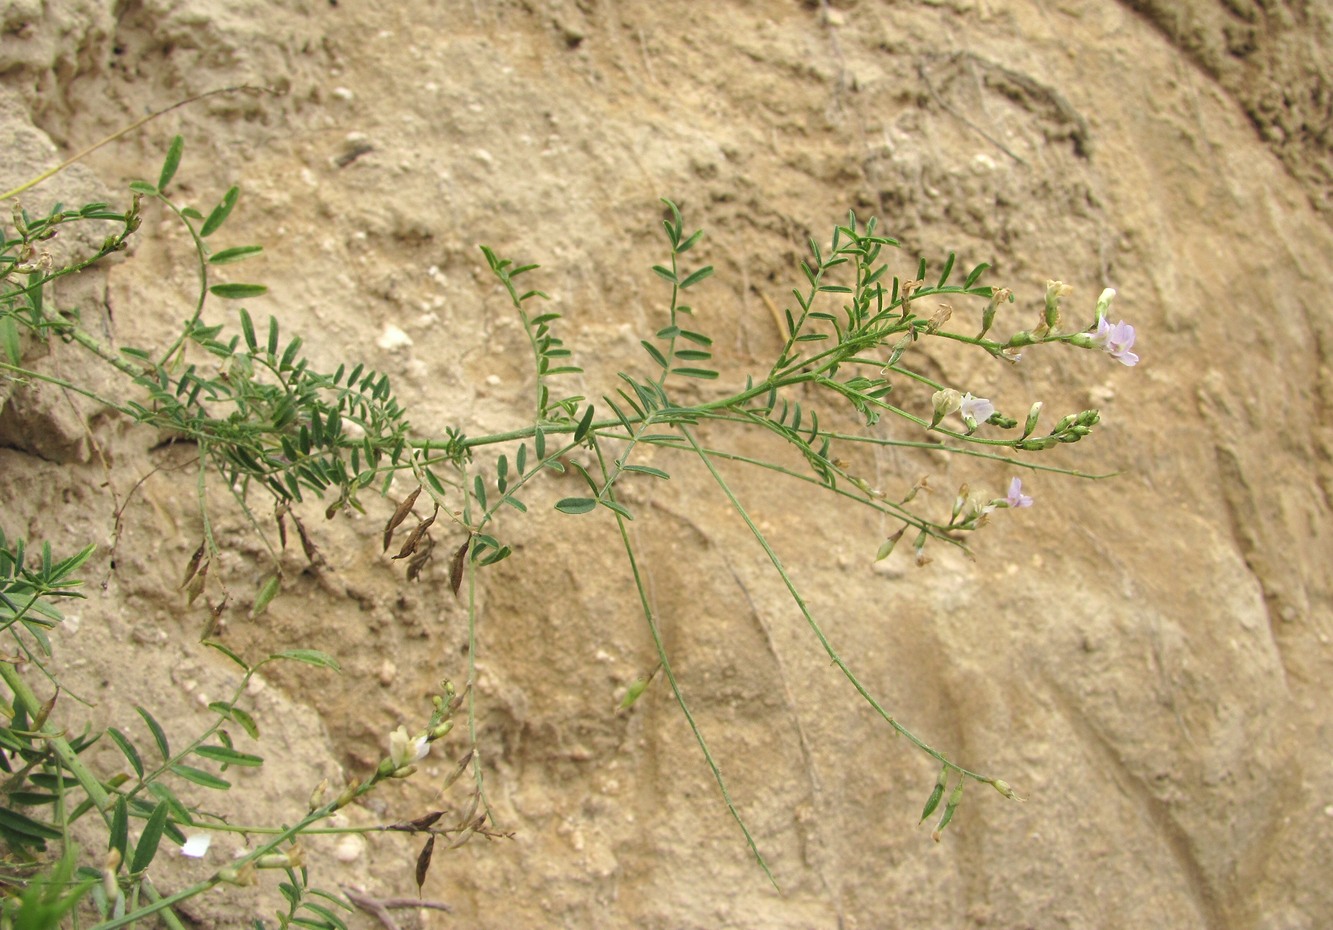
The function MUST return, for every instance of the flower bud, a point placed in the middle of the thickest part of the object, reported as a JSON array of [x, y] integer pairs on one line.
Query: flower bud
[[998, 296], [1019, 339], [959, 501], [1054, 291], [1031, 423], [1104, 303], [317, 796], [945, 401]]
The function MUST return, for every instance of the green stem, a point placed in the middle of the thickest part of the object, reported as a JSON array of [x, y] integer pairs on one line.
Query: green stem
[[477, 771], [670, 674]]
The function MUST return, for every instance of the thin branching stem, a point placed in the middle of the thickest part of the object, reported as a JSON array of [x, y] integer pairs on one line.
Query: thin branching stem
[[667, 670], [810, 619]]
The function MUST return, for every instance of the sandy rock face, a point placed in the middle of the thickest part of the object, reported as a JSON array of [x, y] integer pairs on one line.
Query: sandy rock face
[[1144, 658]]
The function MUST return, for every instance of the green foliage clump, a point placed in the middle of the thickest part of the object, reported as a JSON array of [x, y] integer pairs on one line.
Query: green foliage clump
[[271, 426]]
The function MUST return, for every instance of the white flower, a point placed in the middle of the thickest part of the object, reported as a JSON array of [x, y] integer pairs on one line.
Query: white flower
[[975, 410], [405, 750], [196, 845]]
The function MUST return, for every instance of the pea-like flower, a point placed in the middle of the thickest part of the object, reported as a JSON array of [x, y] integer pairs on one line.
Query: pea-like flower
[[404, 750], [1116, 341], [975, 410], [1016, 497]]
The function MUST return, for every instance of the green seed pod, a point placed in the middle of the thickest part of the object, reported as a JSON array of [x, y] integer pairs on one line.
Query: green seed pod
[[898, 350], [632, 693], [267, 592], [887, 547], [935, 794], [954, 798], [1004, 788]]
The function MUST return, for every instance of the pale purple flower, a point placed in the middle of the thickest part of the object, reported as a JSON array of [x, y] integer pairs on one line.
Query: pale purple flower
[[1016, 496], [975, 410], [1116, 341]]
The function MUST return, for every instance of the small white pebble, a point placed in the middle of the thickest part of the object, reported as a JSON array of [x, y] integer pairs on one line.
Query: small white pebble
[[493, 380], [349, 848], [342, 93], [392, 338]]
